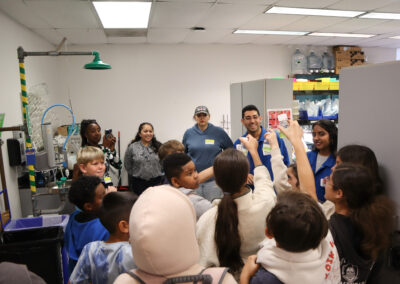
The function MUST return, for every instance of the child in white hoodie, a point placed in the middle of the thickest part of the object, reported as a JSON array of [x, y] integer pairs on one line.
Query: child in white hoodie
[[299, 247]]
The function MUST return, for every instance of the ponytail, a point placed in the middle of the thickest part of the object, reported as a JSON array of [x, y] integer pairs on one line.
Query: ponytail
[[230, 170], [371, 214], [227, 235]]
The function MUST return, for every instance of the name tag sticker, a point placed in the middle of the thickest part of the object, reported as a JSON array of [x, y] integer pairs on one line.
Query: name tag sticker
[[210, 141], [322, 183]]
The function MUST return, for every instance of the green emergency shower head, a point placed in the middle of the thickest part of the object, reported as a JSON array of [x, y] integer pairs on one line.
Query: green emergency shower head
[[97, 64]]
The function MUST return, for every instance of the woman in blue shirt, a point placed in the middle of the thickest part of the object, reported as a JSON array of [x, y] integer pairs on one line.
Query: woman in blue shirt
[[323, 156], [203, 142]]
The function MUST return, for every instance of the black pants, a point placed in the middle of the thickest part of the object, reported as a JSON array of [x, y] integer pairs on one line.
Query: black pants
[[138, 185]]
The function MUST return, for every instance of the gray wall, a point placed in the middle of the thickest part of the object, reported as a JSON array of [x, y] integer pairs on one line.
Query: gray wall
[[369, 106]]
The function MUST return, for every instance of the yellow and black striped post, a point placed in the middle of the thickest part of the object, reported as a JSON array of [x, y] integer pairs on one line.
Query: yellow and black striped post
[[24, 100]]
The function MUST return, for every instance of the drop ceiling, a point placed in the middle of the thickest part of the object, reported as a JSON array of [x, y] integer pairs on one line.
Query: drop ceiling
[[171, 22]]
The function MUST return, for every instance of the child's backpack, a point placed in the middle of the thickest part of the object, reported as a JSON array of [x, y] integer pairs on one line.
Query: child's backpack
[[214, 275]]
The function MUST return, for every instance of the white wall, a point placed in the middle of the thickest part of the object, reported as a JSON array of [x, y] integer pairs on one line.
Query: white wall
[[376, 55], [38, 70], [163, 84]]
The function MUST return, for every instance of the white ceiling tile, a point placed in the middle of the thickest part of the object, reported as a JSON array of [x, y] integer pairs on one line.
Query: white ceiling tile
[[261, 2], [178, 14], [305, 40], [230, 16], [207, 36], [273, 39], [238, 38], [270, 22], [313, 23], [166, 35], [66, 14], [83, 36], [51, 35], [126, 40], [351, 25], [21, 13], [360, 5], [305, 3], [382, 28], [391, 8], [338, 41]]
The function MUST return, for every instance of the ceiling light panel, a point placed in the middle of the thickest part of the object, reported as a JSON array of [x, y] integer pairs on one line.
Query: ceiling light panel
[[386, 16], [123, 15], [395, 37], [341, 35], [314, 12], [264, 32]]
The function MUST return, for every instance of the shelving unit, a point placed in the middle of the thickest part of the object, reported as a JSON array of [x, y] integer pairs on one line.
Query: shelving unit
[[315, 91]]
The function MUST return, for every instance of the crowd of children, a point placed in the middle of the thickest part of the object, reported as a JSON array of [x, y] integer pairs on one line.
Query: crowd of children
[[322, 219]]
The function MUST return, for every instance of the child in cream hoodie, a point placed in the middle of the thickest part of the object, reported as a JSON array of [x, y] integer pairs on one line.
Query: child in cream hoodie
[[299, 247]]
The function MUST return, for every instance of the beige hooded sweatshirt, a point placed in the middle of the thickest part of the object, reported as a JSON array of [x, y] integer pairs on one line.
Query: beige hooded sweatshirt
[[162, 234]]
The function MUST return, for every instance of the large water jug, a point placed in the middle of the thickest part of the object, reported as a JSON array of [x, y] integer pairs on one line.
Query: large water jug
[[299, 63], [314, 63], [327, 62]]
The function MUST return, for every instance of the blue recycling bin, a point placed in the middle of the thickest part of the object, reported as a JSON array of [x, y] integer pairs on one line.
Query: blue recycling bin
[[37, 242]]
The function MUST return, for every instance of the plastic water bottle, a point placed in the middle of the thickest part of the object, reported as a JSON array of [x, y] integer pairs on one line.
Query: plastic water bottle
[[314, 63], [299, 63], [327, 62]]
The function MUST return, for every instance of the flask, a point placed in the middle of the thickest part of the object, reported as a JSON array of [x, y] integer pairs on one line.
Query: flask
[[299, 63]]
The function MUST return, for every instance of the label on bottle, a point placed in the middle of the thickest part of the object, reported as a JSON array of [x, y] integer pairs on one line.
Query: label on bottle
[[266, 148]]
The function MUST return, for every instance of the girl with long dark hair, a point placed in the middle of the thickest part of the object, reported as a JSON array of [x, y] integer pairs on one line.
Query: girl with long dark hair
[[362, 223], [231, 231], [141, 160], [323, 156]]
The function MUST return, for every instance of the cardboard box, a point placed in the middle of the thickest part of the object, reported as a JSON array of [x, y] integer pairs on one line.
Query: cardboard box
[[357, 62], [343, 63], [357, 55], [346, 48]]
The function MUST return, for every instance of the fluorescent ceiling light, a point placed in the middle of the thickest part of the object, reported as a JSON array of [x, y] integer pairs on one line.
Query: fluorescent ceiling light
[[340, 35], [263, 32], [395, 37], [123, 15], [389, 16], [313, 12]]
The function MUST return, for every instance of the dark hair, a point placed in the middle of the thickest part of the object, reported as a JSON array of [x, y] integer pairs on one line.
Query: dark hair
[[231, 168], [249, 107], [332, 130], [362, 155], [297, 222], [83, 190], [173, 164], [116, 207], [294, 167], [155, 144], [371, 214], [169, 147], [84, 125]]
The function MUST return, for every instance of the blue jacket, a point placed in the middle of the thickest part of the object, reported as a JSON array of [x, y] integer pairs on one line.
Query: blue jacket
[[324, 171], [204, 146], [266, 160], [78, 234]]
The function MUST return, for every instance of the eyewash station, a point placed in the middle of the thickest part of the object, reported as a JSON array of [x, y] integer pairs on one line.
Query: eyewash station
[[45, 170]]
